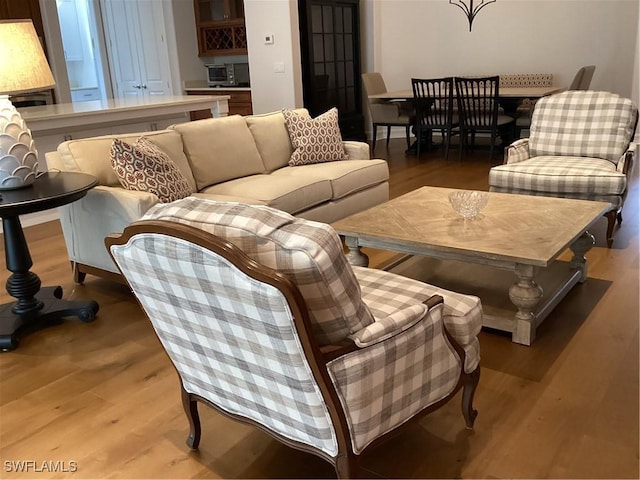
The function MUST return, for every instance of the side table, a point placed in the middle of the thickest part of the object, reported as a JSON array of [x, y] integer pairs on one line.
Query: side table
[[36, 307]]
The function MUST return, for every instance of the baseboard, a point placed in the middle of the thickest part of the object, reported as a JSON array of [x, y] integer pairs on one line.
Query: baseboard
[[38, 218]]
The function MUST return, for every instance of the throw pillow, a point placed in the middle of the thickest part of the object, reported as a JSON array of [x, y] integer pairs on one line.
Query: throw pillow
[[314, 140], [145, 167]]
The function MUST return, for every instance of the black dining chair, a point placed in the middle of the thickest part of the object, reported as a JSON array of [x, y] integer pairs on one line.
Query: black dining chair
[[433, 101], [478, 109]]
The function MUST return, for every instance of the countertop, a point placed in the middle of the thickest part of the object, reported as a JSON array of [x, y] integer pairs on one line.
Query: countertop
[[61, 111], [123, 110], [216, 89]]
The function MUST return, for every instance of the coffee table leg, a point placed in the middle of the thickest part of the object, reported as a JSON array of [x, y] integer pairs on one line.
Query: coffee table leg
[[525, 295], [355, 255], [579, 248]]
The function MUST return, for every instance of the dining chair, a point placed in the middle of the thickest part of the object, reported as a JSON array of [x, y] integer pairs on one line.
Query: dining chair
[[266, 321], [384, 113], [433, 101], [583, 77], [478, 109]]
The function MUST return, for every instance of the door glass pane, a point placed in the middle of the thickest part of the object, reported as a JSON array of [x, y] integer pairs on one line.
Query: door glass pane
[[318, 48], [316, 19], [339, 20], [349, 81], [351, 99], [328, 48], [348, 47], [339, 47], [348, 20], [340, 72], [327, 18]]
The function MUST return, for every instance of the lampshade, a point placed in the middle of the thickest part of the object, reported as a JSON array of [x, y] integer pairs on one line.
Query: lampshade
[[23, 68], [22, 62]]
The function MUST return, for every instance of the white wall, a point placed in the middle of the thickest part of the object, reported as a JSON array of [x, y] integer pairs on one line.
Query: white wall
[[272, 91], [430, 38], [183, 44]]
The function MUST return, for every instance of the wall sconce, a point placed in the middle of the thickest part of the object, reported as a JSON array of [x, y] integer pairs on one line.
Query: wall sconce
[[469, 8]]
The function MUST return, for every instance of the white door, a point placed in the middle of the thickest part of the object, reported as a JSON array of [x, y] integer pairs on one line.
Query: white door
[[137, 46]]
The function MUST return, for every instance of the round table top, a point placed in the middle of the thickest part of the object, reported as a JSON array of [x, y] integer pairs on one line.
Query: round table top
[[50, 190]]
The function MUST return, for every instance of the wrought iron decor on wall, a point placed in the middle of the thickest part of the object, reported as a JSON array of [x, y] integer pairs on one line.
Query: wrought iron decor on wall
[[468, 7]]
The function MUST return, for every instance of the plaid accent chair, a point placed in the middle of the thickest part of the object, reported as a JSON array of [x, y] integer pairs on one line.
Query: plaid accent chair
[[579, 147], [265, 321]]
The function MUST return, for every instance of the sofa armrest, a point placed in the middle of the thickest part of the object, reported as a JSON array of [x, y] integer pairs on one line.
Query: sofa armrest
[[628, 159], [356, 150], [518, 151], [104, 210]]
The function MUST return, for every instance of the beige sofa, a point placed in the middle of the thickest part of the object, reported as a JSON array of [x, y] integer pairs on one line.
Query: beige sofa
[[243, 159]]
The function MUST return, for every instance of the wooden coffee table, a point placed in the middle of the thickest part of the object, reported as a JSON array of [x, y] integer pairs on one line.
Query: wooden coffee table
[[521, 233]]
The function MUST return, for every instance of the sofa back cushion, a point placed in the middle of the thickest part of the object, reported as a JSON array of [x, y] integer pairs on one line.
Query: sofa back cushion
[[92, 155], [272, 138], [220, 149], [582, 124], [309, 253]]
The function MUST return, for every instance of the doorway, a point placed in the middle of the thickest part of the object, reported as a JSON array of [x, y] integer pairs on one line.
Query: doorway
[[78, 20], [330, 51]]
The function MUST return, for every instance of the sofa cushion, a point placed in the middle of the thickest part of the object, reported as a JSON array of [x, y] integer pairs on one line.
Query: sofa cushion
[[562, 174], [143, 166], [287, 193], [314, 140], [91, 155], [272, 139], [310, 253], [220, 149], [346, 177]]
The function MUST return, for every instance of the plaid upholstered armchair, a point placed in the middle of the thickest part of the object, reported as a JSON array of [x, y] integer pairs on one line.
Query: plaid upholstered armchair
[[265, 321], [579, 147]]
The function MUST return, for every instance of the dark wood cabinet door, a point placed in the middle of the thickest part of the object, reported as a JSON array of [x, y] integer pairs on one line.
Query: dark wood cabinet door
[[330, 49], [19, 9]]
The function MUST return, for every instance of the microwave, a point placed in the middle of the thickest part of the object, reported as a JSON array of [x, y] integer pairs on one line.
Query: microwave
[[228, 75]]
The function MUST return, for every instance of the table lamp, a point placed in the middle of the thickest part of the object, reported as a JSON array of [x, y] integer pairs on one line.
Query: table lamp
[[23, 68]]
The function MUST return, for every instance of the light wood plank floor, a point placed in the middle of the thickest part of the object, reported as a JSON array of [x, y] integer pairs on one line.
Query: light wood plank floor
[[105, 396]]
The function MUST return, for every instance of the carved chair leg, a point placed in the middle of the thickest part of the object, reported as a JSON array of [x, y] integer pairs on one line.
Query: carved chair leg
[[347, 465], [611, 219], [468, 391], [190, 405]]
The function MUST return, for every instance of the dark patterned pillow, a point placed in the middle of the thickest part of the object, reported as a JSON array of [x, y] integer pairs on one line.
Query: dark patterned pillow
[[143, 166], [314, 140]]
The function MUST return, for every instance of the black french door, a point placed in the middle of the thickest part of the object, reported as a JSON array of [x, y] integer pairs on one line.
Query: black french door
[[330, 49]]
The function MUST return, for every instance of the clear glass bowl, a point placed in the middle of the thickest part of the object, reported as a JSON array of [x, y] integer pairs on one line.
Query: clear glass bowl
[[468, 203]]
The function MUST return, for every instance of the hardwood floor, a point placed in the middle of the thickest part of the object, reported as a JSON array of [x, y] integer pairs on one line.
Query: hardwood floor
[[105, 396]]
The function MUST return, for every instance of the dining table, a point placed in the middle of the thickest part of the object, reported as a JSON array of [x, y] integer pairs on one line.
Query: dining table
[[509, 97]]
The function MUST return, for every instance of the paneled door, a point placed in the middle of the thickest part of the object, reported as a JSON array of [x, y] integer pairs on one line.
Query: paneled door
[[137, 46], [330, 50]]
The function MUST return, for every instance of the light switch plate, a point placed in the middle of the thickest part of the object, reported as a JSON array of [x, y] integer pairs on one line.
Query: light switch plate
[[268, 39], [278, 67]]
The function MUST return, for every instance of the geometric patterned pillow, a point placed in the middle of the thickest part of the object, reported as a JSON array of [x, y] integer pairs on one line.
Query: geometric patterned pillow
[[314, 140], [143, 166]]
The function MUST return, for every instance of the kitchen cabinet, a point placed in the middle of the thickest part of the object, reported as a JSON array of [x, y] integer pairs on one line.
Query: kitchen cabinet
[[137, 47], [239, 101], [17, 9], [220, 27], [70, 30]]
